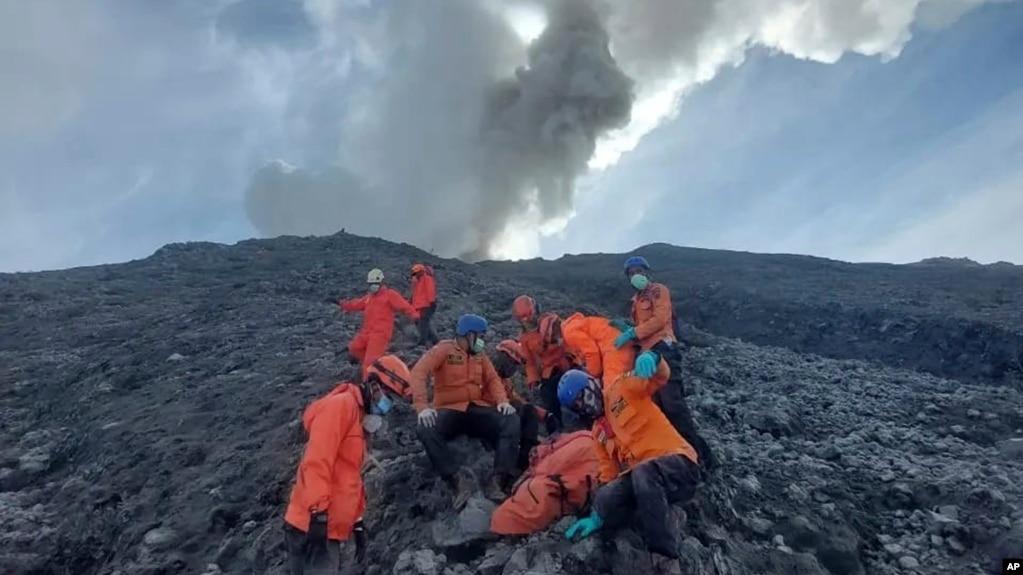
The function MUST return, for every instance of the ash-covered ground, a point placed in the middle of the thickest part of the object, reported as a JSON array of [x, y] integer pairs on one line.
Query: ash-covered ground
[[149, 412]]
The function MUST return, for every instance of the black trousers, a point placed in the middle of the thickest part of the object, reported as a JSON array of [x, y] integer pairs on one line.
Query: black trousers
[[476, 421], [672, 401], [303, 560], [529, 432], [649, 490], [549, 399], [427, 335]]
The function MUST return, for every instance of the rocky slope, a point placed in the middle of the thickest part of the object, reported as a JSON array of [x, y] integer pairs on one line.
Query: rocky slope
[[149, 412]]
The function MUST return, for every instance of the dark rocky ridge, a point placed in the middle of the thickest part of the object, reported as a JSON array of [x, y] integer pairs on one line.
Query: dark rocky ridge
[[149, 416], [951, 318]]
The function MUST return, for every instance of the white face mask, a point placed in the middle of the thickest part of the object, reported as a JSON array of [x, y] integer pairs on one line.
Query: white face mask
[[374, 288]]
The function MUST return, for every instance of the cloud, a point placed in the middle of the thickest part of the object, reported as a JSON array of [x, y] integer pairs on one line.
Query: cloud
[[787, 155], [469, 140], [469, 135]]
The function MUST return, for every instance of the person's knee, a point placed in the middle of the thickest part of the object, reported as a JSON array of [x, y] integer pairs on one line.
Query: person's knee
[[510, 426], [428, 435]]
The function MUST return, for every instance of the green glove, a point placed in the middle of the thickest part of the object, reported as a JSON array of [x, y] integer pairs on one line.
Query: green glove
[[646, 365], [625, 337], [583, 528]]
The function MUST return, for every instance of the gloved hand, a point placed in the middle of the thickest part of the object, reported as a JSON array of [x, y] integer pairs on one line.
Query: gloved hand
[[428, 417], [359, 534], [583, 528], [316, 536], [620, 323], [625, 337], [505, 409], [646, 365]]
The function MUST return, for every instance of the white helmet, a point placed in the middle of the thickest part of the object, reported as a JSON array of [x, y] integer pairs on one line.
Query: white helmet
[[375, 276]]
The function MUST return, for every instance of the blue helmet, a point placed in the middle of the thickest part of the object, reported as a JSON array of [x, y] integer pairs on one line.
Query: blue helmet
[[470, 323], [636, 262], [571, 385]]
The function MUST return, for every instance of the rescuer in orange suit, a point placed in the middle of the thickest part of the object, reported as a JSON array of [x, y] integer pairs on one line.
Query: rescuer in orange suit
[[424, 300], [377, 307], [561, 480], [468, 399], [653, 318], [328, 499], [645, 465], [507, 360], [545, 362]]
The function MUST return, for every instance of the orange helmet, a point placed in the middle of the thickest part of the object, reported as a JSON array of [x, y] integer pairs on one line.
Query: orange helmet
[[513, 349], [392, 372], [418, 269], [524, 308], [549, 324]]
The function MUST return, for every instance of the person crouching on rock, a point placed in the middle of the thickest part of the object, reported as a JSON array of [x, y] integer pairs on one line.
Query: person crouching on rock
[[328, 499], [466, 389], [507, 360], [377, 307], [545, 361], [645, 465]]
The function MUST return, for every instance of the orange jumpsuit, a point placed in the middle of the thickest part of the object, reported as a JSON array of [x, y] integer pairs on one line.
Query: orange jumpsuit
[[652, 314], [329, 476], [633, 429], [459, 379], [590, 340], [559, 482], [424, 291], [374, 336]]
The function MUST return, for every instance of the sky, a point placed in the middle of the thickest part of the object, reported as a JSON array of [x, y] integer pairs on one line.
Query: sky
[[861, 131]]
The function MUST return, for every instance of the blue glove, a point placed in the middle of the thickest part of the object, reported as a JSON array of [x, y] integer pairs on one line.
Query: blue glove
[[646, 365], [625, 337], [583, 528], [621, 324]]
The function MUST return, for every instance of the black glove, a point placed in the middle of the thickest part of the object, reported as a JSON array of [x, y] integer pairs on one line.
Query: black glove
[[317, 534], [551, 423], [359, 534]]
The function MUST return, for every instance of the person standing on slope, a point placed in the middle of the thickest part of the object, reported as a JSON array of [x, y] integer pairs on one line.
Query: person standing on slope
[[545, 361], [653, 330], [645, 465], [378, 307], [468, 399], [328, 499], [424, 300]]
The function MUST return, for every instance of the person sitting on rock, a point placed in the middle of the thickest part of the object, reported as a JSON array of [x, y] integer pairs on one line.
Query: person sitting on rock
[[378, 307], [653, 330], [545, 362], [507, 360], [468, 399], [645, 465], [328, 499], [424, 300]]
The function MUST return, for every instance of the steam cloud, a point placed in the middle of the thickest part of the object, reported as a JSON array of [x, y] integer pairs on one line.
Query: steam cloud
[[457, 135]]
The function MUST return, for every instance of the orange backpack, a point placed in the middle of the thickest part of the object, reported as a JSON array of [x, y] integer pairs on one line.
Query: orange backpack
[[560, 481]]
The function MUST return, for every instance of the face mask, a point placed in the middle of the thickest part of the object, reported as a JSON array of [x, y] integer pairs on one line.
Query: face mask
[[382, 406], [374, 288], [372, 423], [590, 402], [478, 346], [639, 281]]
